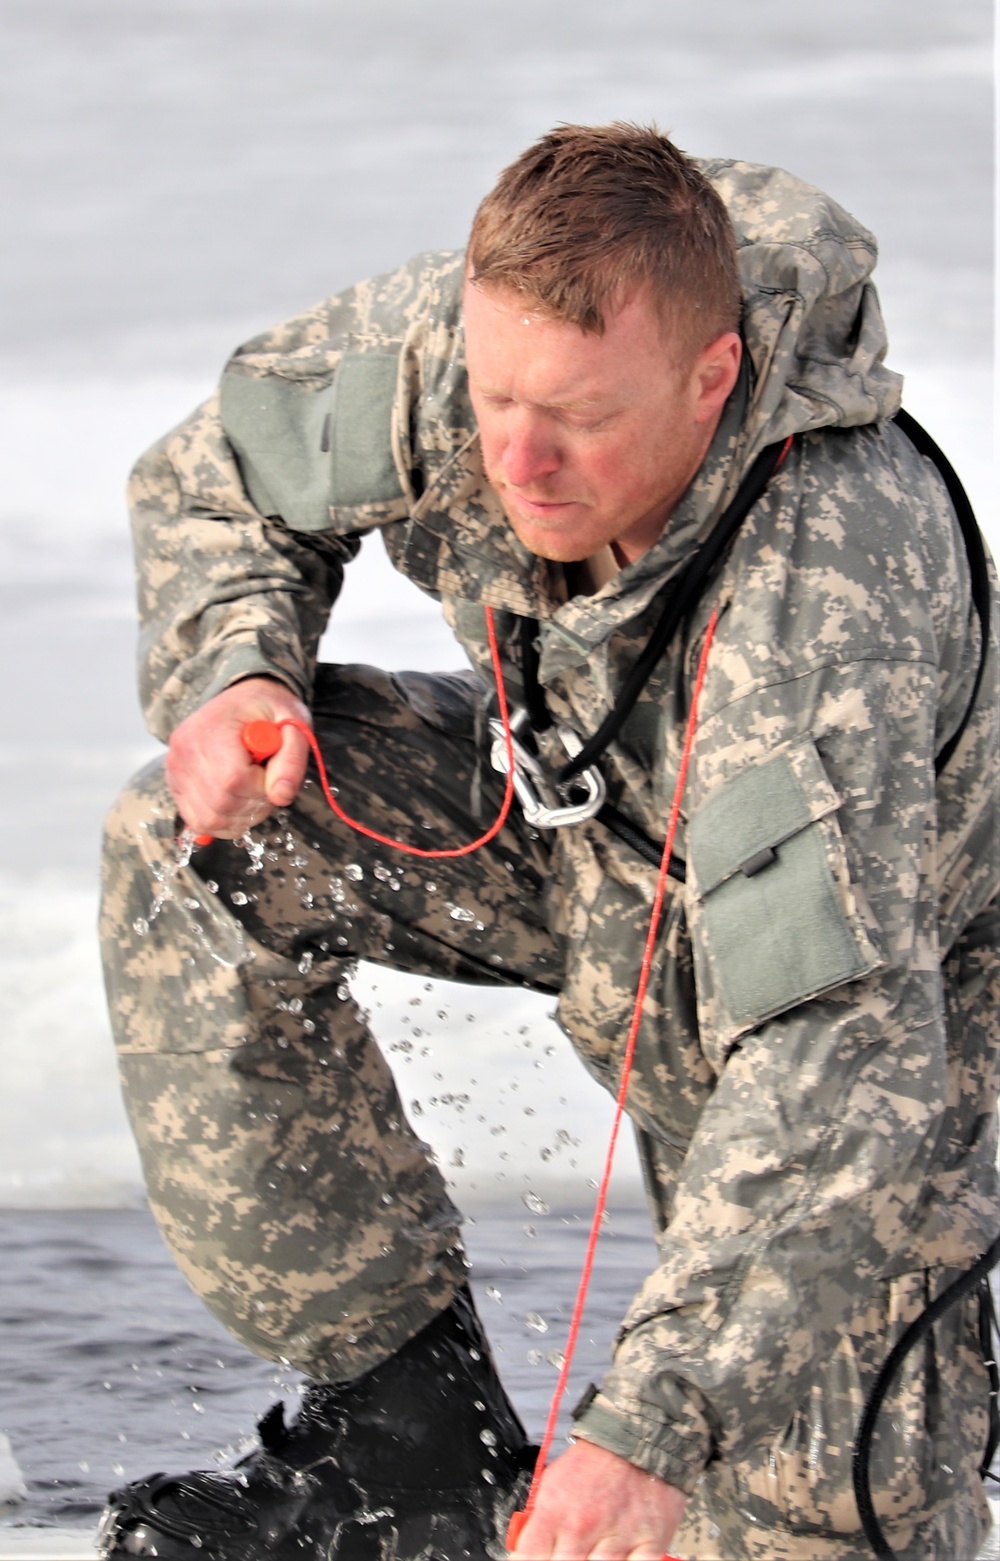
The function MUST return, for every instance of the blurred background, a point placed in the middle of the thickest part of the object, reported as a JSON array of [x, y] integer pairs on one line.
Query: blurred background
[[178, 174]]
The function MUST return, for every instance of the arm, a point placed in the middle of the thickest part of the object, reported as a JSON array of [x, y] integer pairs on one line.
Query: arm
[[245, 515], [225, 593], [807, 1177]]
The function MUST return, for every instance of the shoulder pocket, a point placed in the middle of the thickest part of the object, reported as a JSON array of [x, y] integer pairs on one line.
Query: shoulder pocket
[[776, 918], [318, 449]]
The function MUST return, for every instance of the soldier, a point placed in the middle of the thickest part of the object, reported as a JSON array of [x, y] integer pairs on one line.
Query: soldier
[[642, 366]]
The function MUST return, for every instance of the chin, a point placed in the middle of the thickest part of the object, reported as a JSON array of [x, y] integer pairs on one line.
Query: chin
[[549, 544]]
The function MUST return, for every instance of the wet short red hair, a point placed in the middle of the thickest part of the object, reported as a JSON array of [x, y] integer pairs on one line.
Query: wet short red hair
[[592, 214]]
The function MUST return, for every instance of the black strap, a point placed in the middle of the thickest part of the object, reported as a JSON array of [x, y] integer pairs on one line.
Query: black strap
[[633, 836], [683, 592], [988, 1348], [979, 578]]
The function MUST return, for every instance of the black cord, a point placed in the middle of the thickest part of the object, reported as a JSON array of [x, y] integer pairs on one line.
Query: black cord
[[988, 1336], [682, 594], [861, 1461], [979, 579]]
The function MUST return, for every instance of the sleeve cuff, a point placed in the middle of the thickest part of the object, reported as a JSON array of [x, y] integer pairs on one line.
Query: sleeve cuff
[[642, 1440], [194, 683]]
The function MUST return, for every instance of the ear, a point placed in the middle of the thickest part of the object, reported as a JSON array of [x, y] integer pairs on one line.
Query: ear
[[714, 374]]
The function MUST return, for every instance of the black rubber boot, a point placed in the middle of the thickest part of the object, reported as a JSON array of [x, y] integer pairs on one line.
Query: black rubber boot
[[422, 1459]]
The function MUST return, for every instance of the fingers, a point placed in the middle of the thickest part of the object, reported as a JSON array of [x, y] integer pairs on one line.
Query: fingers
[[286, 771]]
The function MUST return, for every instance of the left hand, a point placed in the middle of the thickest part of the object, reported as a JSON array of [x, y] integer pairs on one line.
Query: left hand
[[594, 1506]]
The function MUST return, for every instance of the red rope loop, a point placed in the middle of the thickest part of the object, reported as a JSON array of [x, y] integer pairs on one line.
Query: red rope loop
[[519, 1519]]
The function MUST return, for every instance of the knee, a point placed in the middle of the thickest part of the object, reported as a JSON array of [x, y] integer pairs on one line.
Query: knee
[[144, 805]]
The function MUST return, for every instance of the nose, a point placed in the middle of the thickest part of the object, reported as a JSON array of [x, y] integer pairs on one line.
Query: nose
[[529, 453]]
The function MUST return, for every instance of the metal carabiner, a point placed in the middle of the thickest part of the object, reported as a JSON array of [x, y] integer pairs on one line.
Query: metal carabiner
[[543, 802]]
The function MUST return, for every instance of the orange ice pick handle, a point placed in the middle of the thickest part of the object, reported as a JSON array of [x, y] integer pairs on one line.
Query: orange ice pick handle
[[261, 739]]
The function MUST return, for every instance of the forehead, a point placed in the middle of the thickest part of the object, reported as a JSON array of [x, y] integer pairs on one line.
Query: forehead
[[511, 343]]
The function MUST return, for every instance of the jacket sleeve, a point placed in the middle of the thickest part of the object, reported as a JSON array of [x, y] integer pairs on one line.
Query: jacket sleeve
[[245, 515], [224, 591], [818, 862]]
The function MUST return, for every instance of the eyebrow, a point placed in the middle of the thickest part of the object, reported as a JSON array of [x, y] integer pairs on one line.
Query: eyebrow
[[577, 404]]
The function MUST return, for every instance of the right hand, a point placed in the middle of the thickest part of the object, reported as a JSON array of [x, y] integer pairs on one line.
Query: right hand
[[217, 787]]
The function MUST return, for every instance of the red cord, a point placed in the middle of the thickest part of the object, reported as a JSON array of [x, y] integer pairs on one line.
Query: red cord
[[259, 741], [519, 1519]]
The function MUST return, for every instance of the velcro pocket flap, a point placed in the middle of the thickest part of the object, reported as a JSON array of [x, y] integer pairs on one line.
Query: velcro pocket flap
[[776, 918], [318, 450]]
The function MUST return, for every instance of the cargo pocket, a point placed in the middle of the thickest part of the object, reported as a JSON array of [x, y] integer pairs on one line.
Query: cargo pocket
[[775, 916]]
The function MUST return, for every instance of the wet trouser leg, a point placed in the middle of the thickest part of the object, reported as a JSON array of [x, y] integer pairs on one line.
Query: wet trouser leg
[[285, 1177]]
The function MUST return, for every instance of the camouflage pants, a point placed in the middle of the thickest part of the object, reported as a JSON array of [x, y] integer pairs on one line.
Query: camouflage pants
[[295, 1196]]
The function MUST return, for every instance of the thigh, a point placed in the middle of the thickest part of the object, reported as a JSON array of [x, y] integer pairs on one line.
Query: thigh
[[406, 756]]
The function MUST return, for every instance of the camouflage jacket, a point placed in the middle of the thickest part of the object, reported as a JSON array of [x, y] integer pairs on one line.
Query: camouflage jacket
[[815, 1121]]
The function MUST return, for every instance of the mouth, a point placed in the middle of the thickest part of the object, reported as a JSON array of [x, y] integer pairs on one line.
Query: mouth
[[541, 509]]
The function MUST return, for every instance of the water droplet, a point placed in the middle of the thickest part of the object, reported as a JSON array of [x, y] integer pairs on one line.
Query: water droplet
[[529, 1230], [295, 1005], [535, 1357], [536, 1322], [457, 913], [353, 872], [494, 1294], [140, 926], [484, 1474], [343, 992], [239, 898], [416, 1108], [488, 1437], [556, 1358], [532, 1201]]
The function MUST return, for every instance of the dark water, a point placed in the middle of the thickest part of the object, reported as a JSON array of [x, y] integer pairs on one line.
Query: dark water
[[111, 1369]]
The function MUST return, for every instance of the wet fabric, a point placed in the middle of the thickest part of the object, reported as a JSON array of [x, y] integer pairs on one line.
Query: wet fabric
[[816, 1070]]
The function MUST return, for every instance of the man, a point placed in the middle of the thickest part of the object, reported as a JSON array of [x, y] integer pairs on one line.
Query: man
[[554, 426]]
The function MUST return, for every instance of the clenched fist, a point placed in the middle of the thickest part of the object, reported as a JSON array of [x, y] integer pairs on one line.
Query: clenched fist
[[217, 787]]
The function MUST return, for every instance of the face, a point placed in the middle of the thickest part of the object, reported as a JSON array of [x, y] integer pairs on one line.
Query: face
[[590, 440]]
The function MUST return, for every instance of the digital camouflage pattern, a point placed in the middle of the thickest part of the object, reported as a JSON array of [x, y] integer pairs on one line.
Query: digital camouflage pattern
[[816, 1073]]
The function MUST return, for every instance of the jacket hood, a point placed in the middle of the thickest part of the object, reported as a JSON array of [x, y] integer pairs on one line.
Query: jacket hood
[[812, 323]]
